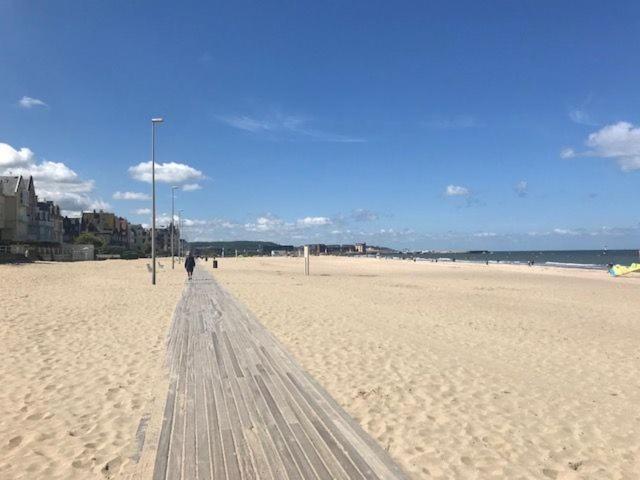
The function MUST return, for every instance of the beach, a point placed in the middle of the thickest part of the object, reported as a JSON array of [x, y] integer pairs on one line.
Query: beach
[[81, 364], [462, 370], [458, 370]]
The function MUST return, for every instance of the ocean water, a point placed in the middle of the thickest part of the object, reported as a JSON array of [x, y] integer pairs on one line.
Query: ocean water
[[559, 258]]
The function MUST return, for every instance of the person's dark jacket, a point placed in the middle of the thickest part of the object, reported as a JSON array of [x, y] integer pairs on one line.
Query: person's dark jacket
[[189, 263]]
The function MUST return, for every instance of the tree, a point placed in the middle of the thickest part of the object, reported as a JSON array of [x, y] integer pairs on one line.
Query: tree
[[89, 238]]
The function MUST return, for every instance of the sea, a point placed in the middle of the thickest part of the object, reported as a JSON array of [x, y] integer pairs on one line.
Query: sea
[[593, 259]]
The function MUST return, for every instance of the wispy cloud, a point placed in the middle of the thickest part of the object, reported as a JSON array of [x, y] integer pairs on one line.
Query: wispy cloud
[[521, 188], [284, 127], [29, 102], [131, 196], [142, 211], [581, 117], [567, 153], [456, 191], [364, 215]]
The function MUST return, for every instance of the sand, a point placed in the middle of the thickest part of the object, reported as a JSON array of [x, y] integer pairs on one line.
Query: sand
[[460, 371], [81, 363], [466, 371]]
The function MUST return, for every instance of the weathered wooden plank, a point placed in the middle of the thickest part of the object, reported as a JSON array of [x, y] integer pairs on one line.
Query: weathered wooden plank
[[174, 467], [232, 355], [296, 452], [245, 460], [203, 439], [162, 453], [364, 468], [189, 456], [215, 437]]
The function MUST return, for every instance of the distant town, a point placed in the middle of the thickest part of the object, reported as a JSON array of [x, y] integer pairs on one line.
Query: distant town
[[251, 248], [36, 229]]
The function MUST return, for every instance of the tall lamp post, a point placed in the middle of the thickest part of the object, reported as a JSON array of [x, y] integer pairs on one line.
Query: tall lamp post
[[154, 121], [173, 225], [180, 252]]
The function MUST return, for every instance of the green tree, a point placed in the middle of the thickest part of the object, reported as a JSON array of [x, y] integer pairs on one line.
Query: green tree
[[89, 238]]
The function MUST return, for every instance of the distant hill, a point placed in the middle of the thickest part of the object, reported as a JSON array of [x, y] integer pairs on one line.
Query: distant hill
[[243, 246]]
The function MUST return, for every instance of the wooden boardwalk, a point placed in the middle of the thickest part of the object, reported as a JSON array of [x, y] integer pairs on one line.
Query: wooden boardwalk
[[240, 407]]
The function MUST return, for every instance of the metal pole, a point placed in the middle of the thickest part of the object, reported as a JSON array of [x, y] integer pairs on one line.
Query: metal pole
[[180, 252], [173, 225], [153, 209]]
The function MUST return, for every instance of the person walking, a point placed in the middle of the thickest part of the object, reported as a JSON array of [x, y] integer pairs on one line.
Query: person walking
[[190, 264]]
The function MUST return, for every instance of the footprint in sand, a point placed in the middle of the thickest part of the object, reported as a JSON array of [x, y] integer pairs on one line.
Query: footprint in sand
[[14, 442]]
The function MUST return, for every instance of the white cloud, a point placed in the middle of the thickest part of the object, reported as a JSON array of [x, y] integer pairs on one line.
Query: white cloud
[[485, 234], [172, 172], [142, 211], [620, 141], [190, 187], [10, 157], [456, 191], [29, 102], [131, 196], [314, 221], [54, 181], [521, 188], [267, 223], [567, 153], [278, 125]]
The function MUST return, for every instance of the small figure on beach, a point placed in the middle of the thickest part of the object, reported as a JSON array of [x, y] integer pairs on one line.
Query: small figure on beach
[[189, 264]]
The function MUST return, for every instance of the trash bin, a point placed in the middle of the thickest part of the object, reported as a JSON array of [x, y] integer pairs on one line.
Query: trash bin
[[215, 264]]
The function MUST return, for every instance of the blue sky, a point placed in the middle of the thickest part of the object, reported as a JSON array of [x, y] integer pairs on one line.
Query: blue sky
[[444, 125]]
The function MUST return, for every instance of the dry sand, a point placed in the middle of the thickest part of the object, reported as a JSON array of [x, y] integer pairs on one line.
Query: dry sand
[[81, 352], [466, 371]]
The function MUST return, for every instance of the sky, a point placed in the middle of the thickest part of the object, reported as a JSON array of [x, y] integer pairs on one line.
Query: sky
[[421, 125]]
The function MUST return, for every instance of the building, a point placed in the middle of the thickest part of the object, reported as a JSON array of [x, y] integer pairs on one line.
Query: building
[[121, 235], [140, 238], [1, 212], [361, 248], [49, 223], [19, 202], [163, 239], [317, 248], [101, 224], [281, 250], [70, 229]]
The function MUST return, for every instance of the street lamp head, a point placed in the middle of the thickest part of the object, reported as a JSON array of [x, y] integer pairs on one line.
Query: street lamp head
[[157, 120], [174, 187]]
